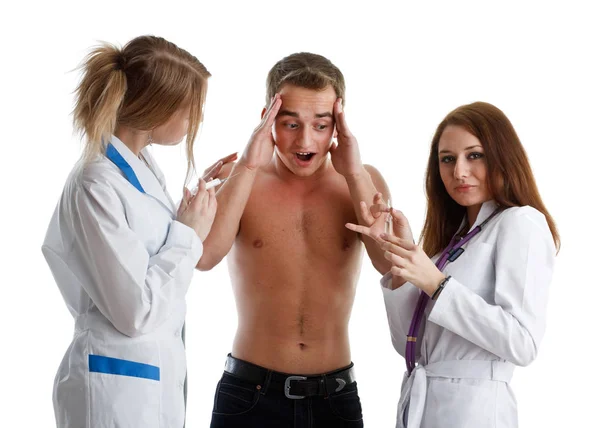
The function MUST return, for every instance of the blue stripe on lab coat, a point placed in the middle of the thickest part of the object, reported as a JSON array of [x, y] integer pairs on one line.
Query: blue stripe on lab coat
[[100, 364], [118, 160]]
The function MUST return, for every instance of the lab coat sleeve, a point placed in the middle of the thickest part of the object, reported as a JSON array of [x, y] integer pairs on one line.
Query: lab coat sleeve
[[400, 305], [136, 291], [511, 327]]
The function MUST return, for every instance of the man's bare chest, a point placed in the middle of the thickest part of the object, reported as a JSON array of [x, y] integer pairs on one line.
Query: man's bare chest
[[279, 220]]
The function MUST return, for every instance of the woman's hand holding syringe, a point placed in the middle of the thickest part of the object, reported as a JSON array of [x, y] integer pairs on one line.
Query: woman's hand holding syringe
[[213, 183]]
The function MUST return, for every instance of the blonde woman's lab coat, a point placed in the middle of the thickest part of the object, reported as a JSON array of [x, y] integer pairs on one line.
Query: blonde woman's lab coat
[[123, 266], [489, 318]]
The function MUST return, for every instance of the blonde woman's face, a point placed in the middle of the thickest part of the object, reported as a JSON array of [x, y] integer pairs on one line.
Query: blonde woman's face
[[174, 130], [463, 167]]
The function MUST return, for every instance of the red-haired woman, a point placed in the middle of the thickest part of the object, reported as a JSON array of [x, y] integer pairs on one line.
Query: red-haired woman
[[468, 305]]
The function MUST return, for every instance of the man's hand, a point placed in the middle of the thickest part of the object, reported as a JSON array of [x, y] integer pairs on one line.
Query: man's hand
[[345, 155], [260, 148], [376, 218]]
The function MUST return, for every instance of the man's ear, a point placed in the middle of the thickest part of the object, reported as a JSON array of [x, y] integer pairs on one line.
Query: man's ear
[[264, 110]]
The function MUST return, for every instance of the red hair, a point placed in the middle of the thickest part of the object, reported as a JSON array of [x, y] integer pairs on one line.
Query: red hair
[[510, 178]]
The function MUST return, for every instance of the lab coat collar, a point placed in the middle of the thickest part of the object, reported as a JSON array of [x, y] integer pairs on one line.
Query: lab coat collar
[[487, 208], [147, 177]]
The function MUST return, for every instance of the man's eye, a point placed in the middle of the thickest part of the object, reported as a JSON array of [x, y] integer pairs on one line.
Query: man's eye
[[321, 127], [292, 125], [447, 159]]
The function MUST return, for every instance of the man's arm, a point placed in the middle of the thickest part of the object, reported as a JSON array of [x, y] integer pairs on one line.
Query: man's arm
[[364, 182], [364, 187], [234, 193], [231, 200]]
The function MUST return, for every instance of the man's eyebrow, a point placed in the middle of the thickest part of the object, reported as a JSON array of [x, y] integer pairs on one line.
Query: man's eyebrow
[[294, 114], [287, 113]]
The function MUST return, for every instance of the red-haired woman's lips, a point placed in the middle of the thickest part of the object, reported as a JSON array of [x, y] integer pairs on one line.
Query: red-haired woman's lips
[[464, 188]]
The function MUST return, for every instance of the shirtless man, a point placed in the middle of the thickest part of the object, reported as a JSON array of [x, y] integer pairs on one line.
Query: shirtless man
[[293, 264]]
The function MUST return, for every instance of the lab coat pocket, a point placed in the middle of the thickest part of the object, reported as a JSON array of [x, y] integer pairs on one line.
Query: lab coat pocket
[[465, 403], [123, 392], [474, 268]]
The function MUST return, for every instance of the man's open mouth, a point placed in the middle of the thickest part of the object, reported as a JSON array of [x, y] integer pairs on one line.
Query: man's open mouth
[[304, 156]]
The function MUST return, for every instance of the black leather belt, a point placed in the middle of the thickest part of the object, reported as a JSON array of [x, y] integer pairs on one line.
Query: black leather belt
[[293, 386]]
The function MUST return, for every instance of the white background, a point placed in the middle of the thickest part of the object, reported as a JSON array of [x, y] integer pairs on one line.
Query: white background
[[406, 66]]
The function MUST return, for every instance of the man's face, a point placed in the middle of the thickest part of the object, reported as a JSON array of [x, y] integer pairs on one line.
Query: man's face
[[304, 128]]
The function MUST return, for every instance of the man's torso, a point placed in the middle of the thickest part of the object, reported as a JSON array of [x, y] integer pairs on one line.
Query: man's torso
[[294, 269]]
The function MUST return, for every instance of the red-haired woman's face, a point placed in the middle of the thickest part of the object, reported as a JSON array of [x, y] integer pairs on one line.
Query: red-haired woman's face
[[463, 167]]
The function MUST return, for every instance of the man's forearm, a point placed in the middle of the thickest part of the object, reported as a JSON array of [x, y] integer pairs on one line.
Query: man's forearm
[[362, 188], [231, 199]]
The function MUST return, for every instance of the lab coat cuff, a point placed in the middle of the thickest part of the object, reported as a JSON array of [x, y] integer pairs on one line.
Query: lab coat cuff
[[386, 287], [184, 236], [443, 302], [386, 281]]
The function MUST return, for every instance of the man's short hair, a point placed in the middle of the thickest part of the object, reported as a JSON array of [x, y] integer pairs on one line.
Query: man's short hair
[[305, 70]]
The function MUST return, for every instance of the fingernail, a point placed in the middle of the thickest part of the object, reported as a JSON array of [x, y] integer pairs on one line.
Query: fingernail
[[383, 236]]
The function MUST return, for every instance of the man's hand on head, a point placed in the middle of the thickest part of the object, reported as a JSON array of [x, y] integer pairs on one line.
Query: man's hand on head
[[260, 148], [345, 155]]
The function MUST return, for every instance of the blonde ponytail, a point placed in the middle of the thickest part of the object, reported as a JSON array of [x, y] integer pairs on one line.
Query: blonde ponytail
[[139, 86], [99, 97]]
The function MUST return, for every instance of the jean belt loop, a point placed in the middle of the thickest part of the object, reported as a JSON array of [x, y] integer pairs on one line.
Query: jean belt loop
[[267, 382], [324, 380]]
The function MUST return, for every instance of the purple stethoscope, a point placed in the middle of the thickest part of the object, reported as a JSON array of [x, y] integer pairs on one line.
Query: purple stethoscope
[[450, 254]]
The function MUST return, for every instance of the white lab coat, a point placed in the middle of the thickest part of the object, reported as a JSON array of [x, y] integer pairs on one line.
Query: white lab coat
[[123, 266], [489, 318]]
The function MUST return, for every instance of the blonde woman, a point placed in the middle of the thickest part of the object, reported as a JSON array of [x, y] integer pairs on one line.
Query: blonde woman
[[120, 251]]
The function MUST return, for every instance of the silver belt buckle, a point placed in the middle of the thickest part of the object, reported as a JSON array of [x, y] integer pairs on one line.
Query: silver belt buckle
[[286, 388]]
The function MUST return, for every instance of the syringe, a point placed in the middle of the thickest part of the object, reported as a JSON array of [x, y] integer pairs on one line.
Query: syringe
[[389, 221], [213, 183]]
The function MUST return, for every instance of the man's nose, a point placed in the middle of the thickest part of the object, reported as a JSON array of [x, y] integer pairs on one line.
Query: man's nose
[[304, 137]]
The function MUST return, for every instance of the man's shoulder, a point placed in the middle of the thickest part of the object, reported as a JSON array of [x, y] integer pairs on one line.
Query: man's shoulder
[[377, 178], [372, 170]]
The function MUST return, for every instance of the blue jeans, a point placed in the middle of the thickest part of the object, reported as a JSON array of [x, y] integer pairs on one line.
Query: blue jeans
[[239, 403]]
